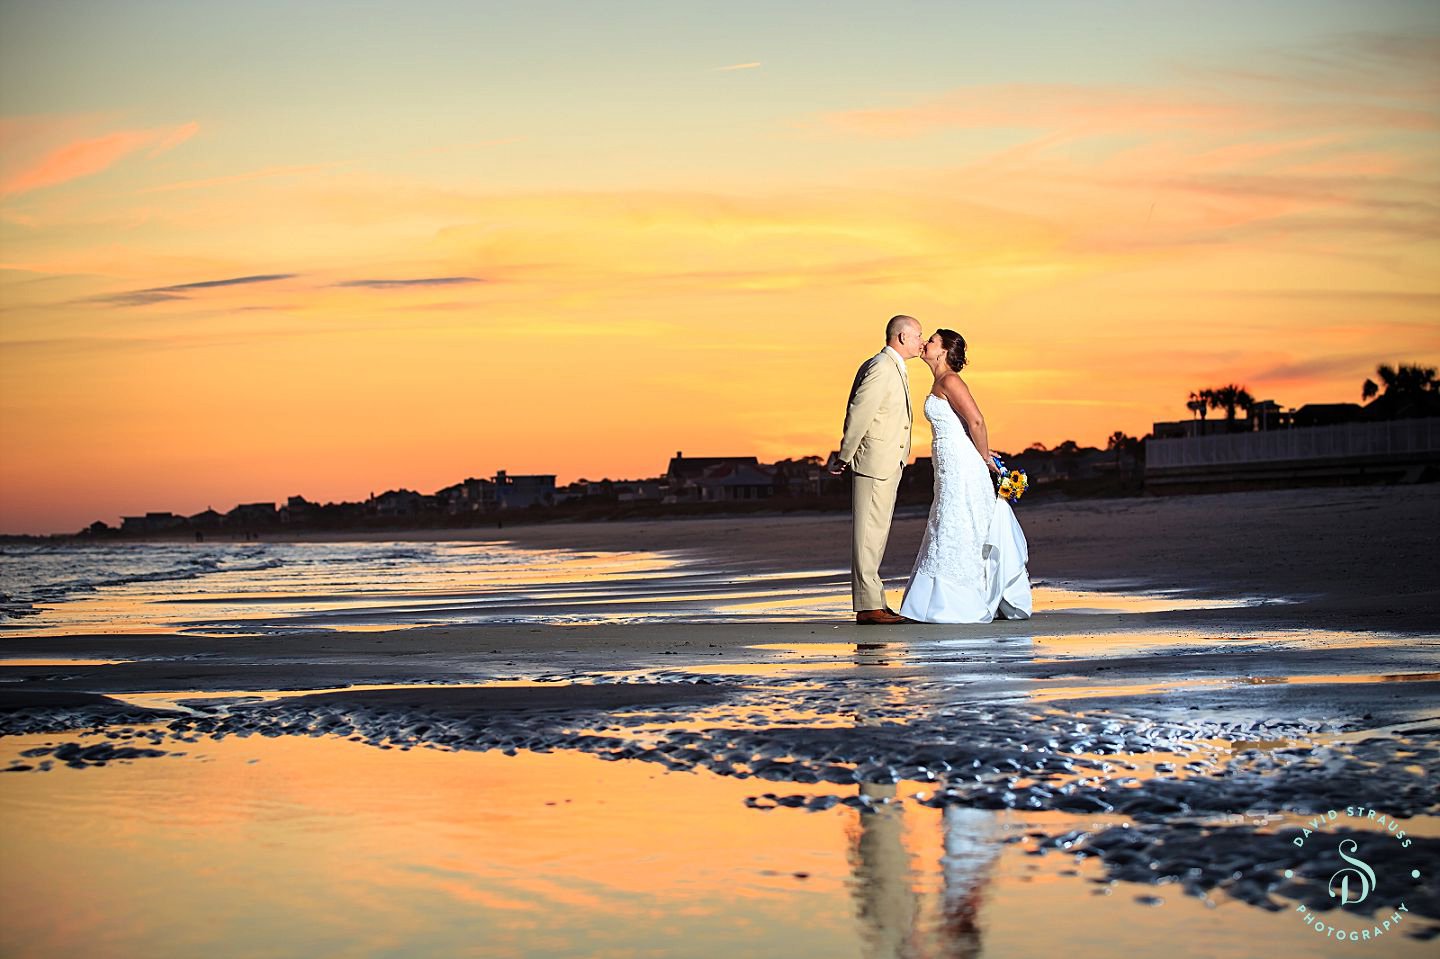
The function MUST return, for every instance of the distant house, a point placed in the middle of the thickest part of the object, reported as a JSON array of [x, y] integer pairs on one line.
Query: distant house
[[206, 519], [298, 509], [799, 477], [1328, 414], [470, 496], [731, 482], [1180, 429], [682, 478], [586, 489], [154, 522], [640, 491], [1268, 415], [519, 492], [252, 514], [611, 491], [399, 502]]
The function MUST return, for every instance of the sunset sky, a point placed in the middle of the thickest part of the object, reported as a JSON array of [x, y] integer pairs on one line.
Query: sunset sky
[[260, 249]]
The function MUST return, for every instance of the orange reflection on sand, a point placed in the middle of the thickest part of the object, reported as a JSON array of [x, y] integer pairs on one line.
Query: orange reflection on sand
[[53, 661], [311, 846]]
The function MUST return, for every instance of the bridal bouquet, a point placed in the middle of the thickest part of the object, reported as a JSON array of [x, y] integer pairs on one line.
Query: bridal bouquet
[[1011, 484]]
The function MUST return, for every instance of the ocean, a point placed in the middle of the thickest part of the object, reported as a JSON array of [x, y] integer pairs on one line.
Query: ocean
[[267, 588]]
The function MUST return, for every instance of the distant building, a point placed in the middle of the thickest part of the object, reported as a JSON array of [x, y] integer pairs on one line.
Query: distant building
[[400, 502], [154, 522], [1327, 414], [252, 514], [1180, 429], [640, 491], [1396, 451], [800, 477], [730, 482], [206, 519], [470, 496], [683, 476], [520, 492], [298, 510], [1267, 415]]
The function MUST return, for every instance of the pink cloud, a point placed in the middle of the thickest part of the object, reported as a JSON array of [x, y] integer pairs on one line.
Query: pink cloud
[[89, 156]]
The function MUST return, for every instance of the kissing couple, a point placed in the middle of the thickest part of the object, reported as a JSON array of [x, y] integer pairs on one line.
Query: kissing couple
[[971, 566]]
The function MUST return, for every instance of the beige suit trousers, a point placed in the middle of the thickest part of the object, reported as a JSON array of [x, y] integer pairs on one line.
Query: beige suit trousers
[[872, 508]]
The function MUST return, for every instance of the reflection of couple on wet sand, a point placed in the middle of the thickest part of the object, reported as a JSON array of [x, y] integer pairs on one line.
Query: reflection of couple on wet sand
[[971, 564]]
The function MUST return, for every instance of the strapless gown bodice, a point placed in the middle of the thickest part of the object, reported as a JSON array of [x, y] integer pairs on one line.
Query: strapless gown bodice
[[972, 562]]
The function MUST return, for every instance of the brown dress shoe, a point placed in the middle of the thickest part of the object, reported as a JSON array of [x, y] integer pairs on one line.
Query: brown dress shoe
[[878, 617]]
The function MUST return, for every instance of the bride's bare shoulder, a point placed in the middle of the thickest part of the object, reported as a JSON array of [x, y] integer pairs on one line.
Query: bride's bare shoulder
[[952, 384]]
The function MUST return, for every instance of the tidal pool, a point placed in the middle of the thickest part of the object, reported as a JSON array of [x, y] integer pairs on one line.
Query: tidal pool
[[315, 845]]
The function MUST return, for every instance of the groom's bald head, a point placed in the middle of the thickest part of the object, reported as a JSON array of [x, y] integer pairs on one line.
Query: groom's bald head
[[902, 334]]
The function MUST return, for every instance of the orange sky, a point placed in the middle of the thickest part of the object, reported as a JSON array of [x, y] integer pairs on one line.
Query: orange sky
[[411, 252]]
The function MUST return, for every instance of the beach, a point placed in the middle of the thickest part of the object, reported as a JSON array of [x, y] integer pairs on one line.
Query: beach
[[1211, 672]]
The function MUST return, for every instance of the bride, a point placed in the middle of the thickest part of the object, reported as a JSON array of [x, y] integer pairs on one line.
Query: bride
[[971, 566]]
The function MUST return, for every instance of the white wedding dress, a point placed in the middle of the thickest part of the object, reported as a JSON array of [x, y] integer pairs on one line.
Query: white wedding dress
[[971, 566]]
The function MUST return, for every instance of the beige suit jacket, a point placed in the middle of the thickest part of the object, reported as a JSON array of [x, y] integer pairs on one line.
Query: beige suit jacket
[[878, 420]]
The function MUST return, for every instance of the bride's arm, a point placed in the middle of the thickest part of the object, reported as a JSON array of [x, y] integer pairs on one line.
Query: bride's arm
[[965, 407]]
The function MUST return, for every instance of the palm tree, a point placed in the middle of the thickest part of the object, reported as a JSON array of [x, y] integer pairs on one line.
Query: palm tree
[[1198, 402], [1120, 444], [1409, 390], [1229, 398], [1402, 379]]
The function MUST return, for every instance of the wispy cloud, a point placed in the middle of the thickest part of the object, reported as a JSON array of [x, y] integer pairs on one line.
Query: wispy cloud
[[1304, 370], [92, 155], [421, 281], [751, 65], [180, 291], [233, 281]]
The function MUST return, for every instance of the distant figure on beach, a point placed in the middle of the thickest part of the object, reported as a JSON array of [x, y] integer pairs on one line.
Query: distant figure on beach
[[875, 446], [971, 565]]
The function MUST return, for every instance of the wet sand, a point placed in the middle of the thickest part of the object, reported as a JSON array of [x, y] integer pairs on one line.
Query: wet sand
[[1172, 719], [1357, 558]]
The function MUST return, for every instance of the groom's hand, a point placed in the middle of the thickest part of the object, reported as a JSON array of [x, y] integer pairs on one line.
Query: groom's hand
[[835, 467]]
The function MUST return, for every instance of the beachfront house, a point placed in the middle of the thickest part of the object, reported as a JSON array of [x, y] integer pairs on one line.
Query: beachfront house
[[247, 515], [684, 474], [297, 510], [399, 502], [153, 522], [519, 492], [470, 496], [206, 519], [640, 491]]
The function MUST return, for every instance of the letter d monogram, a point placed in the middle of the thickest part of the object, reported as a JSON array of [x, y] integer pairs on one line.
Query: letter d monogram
[[1359, 869]]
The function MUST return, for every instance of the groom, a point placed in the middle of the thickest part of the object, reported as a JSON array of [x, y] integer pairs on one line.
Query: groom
[[875, 447]]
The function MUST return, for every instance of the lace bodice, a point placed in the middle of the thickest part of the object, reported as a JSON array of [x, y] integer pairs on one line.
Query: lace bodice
[[964, 501]]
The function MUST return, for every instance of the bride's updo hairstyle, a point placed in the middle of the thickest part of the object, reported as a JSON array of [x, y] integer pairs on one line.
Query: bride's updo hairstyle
[[954, 345]]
